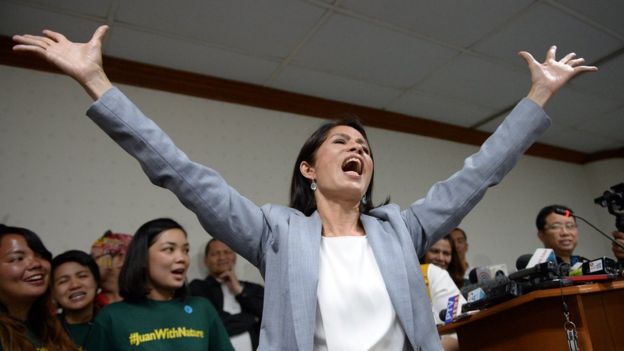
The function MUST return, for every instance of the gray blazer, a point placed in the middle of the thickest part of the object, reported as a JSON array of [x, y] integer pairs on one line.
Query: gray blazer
[[284, 244]]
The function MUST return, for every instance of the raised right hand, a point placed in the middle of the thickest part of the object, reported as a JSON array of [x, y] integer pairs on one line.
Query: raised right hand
[[81, 61]]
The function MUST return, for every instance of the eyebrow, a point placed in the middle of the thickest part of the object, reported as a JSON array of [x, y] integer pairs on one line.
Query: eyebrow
[[358, 140], [174, 243]]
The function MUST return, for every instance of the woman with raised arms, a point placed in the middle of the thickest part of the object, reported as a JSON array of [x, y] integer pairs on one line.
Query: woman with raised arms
[[340, 273]]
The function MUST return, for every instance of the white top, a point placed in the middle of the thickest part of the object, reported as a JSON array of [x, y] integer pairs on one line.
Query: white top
[[441, 287], [354, 310], [240, 342]]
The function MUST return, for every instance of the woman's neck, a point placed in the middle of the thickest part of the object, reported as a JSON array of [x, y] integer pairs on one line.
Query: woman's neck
[[340, 219], [79, 316], [19, 310], [160, 294]]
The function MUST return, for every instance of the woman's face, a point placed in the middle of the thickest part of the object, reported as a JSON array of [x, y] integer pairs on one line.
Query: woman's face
[[74, 286], [343, 167], [24, 275], [168, 262], [439, 254]]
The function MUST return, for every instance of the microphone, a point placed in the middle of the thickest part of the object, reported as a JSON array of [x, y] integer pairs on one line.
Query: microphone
[[522, 261], [568, 213]]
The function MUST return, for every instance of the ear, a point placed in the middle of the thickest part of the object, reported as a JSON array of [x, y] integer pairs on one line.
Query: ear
[[541, 235], [307, 170]]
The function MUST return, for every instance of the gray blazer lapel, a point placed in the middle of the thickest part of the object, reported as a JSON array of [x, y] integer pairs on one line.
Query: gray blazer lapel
[[304, 243], [389, 257]]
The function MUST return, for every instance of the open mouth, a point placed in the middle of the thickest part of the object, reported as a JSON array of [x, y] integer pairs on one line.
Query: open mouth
[[79, 295], [179, 271], [352, 164], [34, 278]]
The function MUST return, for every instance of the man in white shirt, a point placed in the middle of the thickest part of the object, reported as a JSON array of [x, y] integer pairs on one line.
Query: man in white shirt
[[239, 303]]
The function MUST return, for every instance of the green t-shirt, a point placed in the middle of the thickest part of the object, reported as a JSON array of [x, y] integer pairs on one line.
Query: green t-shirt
[[191, 324], [78, 333]]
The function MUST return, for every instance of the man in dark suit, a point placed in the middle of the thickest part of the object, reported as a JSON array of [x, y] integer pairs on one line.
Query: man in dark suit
[[239, 303]]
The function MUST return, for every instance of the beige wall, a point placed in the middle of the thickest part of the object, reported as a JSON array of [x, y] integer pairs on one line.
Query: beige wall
[[63, 178]]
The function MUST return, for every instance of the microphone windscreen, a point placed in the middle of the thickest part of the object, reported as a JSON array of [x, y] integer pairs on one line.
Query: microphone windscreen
[[472, 276], [563, 212], [442, 315], [522, 261]]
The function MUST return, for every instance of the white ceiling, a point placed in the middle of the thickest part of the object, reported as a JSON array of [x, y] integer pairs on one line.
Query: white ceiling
[[450, 61]]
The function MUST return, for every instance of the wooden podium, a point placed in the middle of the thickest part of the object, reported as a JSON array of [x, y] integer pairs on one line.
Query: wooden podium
[[535, 321]]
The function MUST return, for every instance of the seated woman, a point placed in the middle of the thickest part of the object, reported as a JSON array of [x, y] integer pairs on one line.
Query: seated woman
[[444, 255], [157, 313], [75, 277], [27, 321]]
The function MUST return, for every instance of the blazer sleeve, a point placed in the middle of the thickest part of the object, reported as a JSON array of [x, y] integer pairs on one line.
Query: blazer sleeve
[[221, 210], [448, 201]]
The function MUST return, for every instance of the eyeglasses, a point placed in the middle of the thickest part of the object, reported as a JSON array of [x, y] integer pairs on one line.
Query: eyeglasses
[[558, 227]]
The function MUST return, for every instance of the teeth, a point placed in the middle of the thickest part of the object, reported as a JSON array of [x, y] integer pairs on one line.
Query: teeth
[[35, 278], [77, 295]]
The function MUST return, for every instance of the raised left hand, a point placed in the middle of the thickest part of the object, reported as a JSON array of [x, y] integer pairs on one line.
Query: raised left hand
[[549, 76]]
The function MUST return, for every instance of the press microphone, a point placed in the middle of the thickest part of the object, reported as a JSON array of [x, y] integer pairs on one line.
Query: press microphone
[[570, 213], [522, 261]]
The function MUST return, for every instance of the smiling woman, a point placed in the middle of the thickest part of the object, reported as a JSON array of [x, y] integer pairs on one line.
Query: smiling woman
[[27, 321], [331, 255], [157, 313]]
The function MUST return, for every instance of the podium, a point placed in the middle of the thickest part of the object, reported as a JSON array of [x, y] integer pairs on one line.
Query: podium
[[535, 321]]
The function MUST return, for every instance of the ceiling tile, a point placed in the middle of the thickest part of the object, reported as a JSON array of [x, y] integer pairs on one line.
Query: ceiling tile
[[343, 47], [477, 81], [543, 26], [572, 107], [270, 28], [435, 20], [609, 125], [98, 8], [607, 13], [332, 87], [17, 19], [439, 108], [608, 81], [167, 52], [574, 139]]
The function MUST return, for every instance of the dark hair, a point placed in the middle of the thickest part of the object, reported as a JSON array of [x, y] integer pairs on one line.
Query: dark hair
[[540, 220], [41, 319], [80, 257], [301, 196], [133, 277], [207, 248], [32, 240], [454, 268], [461, 231]]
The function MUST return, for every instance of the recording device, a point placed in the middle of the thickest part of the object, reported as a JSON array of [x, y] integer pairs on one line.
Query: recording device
[[488, 293], [613, 200], [602, 265]]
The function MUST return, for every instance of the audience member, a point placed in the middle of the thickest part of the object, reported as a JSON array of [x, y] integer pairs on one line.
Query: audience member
[[444, 255], [440, 287], [558, 232], [156, 313], [75, 277], [27, 321], [461, 245], [109, 252], [239, 303]]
